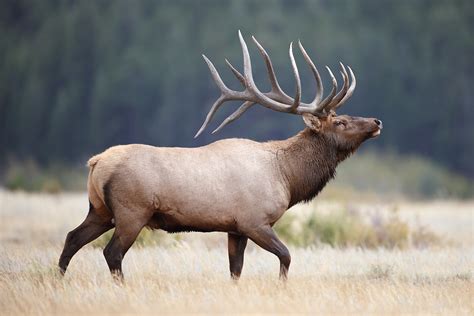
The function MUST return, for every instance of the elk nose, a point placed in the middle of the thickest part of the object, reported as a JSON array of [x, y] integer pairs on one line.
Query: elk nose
[[378, 122]]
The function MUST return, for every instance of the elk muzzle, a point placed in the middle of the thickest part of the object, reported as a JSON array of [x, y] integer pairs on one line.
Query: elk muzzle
[[378, 128]]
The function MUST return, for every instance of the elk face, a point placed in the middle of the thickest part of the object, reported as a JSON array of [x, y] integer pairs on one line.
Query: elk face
[[346, 132]]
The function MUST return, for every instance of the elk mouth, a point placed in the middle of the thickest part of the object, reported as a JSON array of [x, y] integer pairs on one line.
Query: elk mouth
[[375, 133]]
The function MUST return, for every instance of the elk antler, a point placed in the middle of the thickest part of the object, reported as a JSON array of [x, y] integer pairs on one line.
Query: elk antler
[[276, 99]]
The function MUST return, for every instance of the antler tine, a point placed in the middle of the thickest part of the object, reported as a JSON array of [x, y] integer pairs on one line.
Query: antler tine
[[276, 89], [226, 94], [343, 91], [236, 73], [296, 101], [252, 91], [243, 107], [247, 62], [209, 115], [215, 75], [220, 84], [321, 106], [350, 91], [314, 70]]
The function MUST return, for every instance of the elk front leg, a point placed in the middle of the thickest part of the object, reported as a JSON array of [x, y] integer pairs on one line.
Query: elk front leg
[[236, 247], [92, 227], [266, 238]]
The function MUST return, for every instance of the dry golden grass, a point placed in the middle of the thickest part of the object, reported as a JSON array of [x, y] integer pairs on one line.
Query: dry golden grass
[[191, 276]]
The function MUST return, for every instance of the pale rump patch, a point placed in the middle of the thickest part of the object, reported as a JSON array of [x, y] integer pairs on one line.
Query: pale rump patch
[[93, 161]]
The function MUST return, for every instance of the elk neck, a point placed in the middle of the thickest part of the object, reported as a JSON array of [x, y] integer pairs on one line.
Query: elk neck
[[307, 161]]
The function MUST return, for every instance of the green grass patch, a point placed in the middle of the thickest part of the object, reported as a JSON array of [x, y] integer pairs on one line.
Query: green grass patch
[[346, 228]]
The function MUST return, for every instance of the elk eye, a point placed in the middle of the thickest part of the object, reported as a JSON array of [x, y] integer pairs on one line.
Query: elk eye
[[337, 123]]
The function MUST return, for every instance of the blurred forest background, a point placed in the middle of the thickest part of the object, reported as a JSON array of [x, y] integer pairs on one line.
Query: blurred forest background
[[79, 76]]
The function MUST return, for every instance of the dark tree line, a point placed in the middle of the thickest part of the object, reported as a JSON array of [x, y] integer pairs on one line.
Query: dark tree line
[[78, 76]]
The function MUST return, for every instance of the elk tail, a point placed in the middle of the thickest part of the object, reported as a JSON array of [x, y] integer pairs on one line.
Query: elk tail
[[93, 161]]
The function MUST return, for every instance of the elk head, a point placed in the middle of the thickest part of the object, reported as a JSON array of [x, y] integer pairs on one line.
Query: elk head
[[346, 133]]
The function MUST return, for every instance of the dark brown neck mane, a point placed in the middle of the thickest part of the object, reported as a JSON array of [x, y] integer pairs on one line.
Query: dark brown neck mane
[[308, 161]]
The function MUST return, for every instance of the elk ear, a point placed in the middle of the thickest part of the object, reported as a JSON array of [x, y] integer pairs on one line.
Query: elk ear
[[312, 122]]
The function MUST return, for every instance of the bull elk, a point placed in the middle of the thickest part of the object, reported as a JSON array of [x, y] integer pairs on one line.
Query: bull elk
[[237, 186]]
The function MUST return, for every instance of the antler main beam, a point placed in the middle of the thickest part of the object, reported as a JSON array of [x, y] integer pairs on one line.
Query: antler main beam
[[276, 99]]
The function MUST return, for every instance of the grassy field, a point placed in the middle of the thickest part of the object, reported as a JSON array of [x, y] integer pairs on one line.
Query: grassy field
[[188, 273]]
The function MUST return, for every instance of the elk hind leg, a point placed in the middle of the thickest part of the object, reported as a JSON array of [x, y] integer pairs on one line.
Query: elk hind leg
[[92, 227], [236, 248]]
